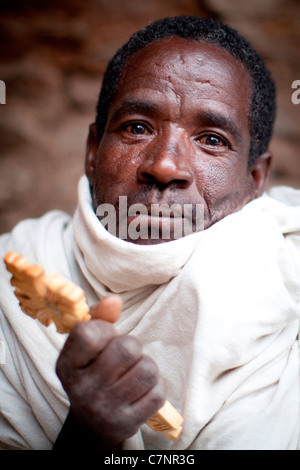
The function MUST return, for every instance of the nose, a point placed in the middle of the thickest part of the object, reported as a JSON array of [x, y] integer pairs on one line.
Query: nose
[[167, 162]]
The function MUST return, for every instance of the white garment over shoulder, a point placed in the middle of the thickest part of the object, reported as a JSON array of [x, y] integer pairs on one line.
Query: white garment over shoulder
[[218, 310]]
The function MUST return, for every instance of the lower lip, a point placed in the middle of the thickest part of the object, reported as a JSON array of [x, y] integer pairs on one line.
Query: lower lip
[[154, 221], [158, 228]]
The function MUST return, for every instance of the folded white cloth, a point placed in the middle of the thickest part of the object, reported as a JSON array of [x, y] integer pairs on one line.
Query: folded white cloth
[[218, 310]]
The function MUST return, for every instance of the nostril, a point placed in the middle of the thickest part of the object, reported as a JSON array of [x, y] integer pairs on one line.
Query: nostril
[[163, 171], [148, 178]]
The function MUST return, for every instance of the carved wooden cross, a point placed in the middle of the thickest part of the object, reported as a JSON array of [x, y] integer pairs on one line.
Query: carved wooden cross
[[51, 298]]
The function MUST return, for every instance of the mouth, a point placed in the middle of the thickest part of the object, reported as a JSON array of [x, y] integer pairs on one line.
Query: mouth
[[154, 227], [151, 223], [160, 222], [149, 220]]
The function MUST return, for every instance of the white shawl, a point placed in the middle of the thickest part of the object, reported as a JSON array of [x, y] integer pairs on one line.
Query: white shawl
[[217, 310]]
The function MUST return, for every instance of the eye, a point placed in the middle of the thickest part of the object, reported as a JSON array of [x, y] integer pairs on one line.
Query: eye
[[137, 128], [213, 140]]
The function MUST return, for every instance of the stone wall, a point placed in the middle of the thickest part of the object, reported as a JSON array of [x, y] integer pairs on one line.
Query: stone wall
[[52, 57]]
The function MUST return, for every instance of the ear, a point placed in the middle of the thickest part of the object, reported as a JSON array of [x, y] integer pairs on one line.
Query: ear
[[260, 172], [92, 145]]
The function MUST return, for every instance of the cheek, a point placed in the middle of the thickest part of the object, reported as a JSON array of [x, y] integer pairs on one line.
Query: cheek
[[115, 171], [223, 183], [112, 161]]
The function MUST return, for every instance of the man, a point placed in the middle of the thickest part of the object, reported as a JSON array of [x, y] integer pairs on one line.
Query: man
[[210, 319]]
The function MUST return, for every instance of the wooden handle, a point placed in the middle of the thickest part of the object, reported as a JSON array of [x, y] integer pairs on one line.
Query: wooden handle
[[167, 420]]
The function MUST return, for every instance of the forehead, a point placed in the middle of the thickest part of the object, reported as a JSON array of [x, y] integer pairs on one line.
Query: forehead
[[190, 70]]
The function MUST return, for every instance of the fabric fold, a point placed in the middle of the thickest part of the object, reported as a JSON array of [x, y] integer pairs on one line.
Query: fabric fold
[[217, 310]]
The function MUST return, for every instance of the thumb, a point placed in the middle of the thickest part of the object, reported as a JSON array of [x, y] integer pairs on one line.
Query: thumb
[[108, 309]]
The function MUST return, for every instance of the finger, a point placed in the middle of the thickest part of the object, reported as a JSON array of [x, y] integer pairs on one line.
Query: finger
[[132, 415], [147, 405], [137, 381], [120, 354], [108, 309], [85, 342]]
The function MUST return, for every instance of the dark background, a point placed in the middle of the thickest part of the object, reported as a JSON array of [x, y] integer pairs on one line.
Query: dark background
[[52, 57]]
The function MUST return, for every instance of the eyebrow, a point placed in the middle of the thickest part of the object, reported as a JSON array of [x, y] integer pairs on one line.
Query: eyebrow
[[216, 119], [131, 106], [205, 117]]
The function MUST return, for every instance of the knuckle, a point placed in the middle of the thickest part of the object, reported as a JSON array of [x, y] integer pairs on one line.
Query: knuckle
[[92, 334], [149, 371], [156, 397], [81, 334], [128, 349], [150, 403]]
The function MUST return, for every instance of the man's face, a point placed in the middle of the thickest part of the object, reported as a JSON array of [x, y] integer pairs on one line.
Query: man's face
[[177, 133]]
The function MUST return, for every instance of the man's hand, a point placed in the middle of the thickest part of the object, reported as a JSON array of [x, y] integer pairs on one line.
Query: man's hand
[[112, 386]]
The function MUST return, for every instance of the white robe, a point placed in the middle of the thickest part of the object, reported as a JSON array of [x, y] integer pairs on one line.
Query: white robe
[[217, 310]]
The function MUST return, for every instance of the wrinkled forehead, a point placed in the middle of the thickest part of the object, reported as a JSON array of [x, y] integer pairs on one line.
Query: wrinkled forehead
[[191, 70], [176, 58]]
